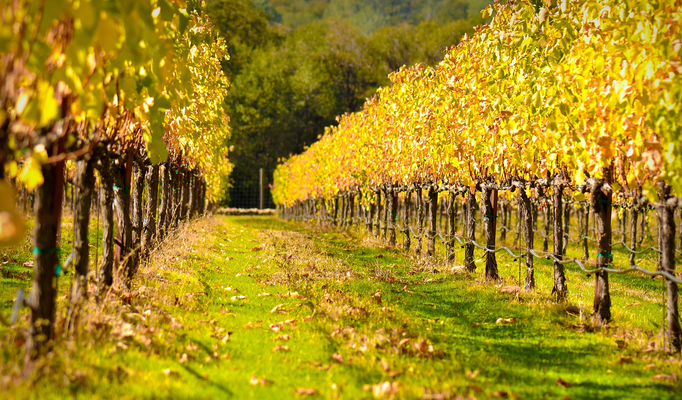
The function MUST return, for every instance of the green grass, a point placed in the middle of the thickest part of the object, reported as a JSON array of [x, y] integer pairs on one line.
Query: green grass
[[364, 314]]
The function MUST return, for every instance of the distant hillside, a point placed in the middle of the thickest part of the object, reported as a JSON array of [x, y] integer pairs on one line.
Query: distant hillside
[[370, 15]]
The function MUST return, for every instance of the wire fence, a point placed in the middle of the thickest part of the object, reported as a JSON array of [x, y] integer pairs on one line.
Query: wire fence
[[245, 193]]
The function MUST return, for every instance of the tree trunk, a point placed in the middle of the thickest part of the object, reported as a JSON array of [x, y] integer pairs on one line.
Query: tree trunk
[[433, 221], [406, 221], [149, 229], [601, 204], [451, 227], [528, 236], [46, 268], [471, 232], [489, 203], [666, 208], [85, 183]]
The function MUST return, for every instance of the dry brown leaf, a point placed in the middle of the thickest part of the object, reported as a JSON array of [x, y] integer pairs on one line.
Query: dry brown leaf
[[250, 325], [385, 389], [649, 366], [277, 308], [511, 289], [475, 388], [626, 360], [255, 381], [338, 357], [284, 337], [275, 327], [183, 358], [281, 348], [500, 394], [505, 320], [669, 378], [305, 392], [169, 372], [563, 383]]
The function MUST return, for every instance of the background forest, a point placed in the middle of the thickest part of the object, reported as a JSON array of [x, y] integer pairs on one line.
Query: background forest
[[297, 64]]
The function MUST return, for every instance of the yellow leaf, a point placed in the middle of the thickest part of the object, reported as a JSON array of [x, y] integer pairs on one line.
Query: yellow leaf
[[31, 175]]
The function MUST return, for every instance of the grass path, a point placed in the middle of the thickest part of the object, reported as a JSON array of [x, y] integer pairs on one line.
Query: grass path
[[251, 307]]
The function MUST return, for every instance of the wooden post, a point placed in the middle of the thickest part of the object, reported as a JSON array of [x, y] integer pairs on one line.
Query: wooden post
[[433, 221], [666, 210], [471, 231], [528, 235], [261, 186], [559, 277], [489, 203], [406, 221], [451, 226]]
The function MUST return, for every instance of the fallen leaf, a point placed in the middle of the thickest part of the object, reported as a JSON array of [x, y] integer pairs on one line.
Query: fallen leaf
[[626, 360], [649, 366], [500, 393], [338, 358], [511, 289], [277, 308], [275, 327], [284, 337], [475, 388], [255, 381], [240, 297], [250, 325], [505, 320], [169, 372], [384, 389], [264, 294], [281, 348], [563, 383], [670, 378], [257, 248], [621, 344], [305, 392]]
